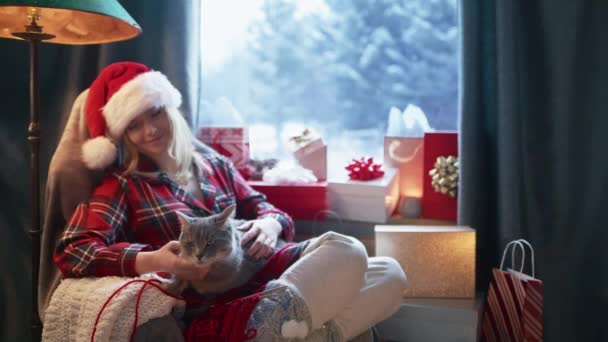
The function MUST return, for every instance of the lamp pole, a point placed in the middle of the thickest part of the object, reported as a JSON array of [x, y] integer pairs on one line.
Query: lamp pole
[[75, 23], [33, 35]]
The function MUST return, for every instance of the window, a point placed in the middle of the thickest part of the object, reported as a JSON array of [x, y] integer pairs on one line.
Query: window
[[335, 66]]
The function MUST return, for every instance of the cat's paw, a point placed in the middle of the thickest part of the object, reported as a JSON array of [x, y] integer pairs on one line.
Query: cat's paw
[[294, 329]]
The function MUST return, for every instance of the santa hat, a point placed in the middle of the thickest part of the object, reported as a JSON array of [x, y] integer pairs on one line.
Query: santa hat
[[120, 93]]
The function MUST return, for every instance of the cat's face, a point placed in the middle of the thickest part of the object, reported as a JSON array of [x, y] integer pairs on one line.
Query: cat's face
[[206, 239]]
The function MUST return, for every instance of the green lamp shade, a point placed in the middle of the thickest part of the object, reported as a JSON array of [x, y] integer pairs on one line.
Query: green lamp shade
[[73, 22]]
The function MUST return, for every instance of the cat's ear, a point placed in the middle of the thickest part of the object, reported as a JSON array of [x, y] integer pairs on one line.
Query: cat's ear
[[184, 220], [224, 215]]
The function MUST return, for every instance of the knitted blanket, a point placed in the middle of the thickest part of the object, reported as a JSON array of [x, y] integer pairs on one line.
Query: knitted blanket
[[76, 303]]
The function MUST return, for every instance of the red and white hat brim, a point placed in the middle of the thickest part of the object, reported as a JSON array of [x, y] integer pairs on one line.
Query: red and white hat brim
[[148, 90], [98, 153]]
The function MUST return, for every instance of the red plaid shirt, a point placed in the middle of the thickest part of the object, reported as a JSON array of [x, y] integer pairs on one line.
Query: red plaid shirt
[[126, 215]]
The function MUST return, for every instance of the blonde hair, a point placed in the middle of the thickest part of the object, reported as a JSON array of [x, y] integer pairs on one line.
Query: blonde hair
[[181, 148]]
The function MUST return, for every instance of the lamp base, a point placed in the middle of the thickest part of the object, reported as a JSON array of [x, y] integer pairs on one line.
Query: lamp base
[[36, 330]]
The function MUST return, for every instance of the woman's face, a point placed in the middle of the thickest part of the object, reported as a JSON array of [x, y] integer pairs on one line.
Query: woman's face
[[150, 132]]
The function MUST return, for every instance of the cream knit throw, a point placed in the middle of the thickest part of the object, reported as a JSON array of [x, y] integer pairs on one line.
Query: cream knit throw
[[76, 303]]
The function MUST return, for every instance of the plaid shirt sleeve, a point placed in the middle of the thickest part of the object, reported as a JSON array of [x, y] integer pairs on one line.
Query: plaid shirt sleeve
[[93, 241], [251, 204]]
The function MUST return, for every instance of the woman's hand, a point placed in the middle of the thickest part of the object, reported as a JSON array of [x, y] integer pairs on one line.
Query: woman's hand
[[167, 259], [266, 233]]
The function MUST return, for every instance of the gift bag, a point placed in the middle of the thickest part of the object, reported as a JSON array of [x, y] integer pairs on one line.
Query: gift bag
[[406, 154], [514, 306]]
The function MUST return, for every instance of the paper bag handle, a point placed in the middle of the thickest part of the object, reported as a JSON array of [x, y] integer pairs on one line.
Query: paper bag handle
[[392, 152], [509, 248], [531, 255], [520, 243]]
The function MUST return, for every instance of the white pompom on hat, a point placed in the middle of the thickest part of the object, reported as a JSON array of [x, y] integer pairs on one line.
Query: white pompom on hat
[[120, 93]]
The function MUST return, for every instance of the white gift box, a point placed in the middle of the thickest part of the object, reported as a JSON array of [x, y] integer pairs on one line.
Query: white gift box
[[439, 260], [434, 319], [313, 156], [367, 201]]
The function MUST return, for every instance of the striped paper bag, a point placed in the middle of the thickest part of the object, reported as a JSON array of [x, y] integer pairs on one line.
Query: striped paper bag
[[514, 307]]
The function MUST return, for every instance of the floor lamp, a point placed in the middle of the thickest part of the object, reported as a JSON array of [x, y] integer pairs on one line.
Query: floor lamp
[[65, 22]]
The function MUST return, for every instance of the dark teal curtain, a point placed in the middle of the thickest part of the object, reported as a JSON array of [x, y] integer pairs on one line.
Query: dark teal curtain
[[533, 149], [170, 43]]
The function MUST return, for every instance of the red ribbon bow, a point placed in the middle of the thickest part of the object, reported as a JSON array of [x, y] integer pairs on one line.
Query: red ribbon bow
[[364, 169]]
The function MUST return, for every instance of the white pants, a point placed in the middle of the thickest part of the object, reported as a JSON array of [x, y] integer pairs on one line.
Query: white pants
[[338, 282]]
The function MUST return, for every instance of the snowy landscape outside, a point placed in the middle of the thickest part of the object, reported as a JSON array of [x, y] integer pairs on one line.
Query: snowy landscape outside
[[335, 66]]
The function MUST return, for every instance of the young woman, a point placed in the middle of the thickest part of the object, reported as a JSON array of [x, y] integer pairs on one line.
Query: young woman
[[129, 226]]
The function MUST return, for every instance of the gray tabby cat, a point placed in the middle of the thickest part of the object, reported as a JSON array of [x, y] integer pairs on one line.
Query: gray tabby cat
[[215, 240]]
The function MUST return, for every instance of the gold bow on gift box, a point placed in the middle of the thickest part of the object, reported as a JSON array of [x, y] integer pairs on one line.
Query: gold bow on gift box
[[304, 138], [444, 176]]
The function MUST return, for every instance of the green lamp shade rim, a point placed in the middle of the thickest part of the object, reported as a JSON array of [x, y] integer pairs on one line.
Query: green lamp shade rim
[[110, 12]]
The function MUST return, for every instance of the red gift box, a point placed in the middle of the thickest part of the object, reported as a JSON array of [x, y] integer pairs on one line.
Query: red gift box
[[302, 201], [232, 142], [436, 205]]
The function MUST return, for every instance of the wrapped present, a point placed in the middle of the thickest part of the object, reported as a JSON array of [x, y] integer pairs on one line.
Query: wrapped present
[[367, 201], [302, 201], [232, 142], [440, 176], [439, 260], [313, 156], [434, 319], [406, 155], [310, 151]]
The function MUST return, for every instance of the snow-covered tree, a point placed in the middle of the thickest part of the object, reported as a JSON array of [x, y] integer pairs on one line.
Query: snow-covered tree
[[348, 65], [286, 82], [391, 53]]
